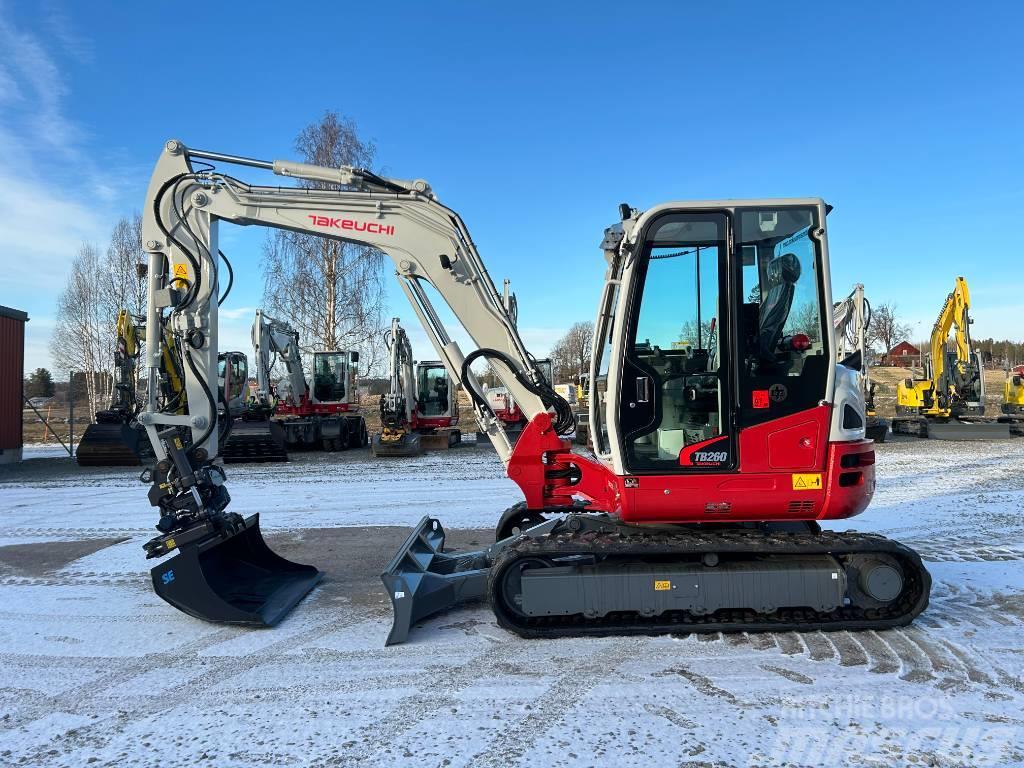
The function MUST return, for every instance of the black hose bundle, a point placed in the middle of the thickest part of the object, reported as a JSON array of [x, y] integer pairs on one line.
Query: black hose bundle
[[565, 421]]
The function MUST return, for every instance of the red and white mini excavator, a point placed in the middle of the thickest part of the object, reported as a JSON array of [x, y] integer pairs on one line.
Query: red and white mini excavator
[[419, 411], [324, 415], [723, 429]]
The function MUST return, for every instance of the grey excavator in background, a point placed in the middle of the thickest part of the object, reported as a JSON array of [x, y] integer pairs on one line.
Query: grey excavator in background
[[326, 415], [419, 411], [851, 318]]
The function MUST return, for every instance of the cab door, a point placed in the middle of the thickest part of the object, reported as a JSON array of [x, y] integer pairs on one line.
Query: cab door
[[675, 384]]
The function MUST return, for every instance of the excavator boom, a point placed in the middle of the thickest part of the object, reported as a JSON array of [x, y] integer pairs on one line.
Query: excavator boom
[[397, 437]]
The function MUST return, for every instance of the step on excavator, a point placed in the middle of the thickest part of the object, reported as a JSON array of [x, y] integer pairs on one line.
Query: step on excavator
[[851, 319], [419, 411], [714, 461], [948, 401]]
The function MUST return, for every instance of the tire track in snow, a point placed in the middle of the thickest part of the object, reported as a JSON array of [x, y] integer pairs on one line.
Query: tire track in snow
[[83, 699]]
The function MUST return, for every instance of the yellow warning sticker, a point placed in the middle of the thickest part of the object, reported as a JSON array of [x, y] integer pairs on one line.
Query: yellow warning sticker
[[661, 586], [180, 272], [170, 543], [807, 482]]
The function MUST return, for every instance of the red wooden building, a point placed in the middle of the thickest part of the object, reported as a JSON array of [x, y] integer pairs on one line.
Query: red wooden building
[[903, 355], [12, 377]]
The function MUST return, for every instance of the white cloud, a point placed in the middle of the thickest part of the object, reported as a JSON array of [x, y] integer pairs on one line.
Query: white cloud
[[54, 192], [40, 231], [237, 313]]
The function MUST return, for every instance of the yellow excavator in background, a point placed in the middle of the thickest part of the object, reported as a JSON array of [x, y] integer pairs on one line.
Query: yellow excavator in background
[[1013, 392], [1013, 400], [114, 441], [111, 441], [948, 402]]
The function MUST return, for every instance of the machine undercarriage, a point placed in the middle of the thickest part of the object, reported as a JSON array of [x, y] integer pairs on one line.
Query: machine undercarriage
[[589, 574]]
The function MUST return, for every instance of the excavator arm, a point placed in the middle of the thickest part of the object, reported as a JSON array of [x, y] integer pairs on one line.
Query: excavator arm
[[429, 246], [275, 340], [397, 437], [954, 315], [428, 243]]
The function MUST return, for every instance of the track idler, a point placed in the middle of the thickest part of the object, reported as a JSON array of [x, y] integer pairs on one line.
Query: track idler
[[230, 575]]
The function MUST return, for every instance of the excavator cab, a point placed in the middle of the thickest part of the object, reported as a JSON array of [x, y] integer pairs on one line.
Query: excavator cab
[[436, 411], [435, 397], [333, 376], [690, 351], [233, 381]]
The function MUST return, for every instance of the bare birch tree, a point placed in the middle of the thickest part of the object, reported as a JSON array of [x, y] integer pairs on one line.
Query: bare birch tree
[[81, 338], [122, 286], [888, 328], [570, 356], [97, 288], [330, 291]]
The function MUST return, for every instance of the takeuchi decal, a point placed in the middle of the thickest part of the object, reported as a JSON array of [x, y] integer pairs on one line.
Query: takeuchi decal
[[356, 226]]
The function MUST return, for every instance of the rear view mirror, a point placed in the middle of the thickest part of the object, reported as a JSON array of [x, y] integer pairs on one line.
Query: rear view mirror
[[1016, 381]]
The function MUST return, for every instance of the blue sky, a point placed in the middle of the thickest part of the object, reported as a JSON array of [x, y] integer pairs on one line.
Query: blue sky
[[534, 121]]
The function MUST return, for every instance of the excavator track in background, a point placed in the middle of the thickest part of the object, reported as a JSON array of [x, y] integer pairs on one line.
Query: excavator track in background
[[112, 442], [953, 429], [254, 440]]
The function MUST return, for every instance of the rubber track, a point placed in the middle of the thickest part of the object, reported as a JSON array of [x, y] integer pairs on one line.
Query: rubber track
[[642, 545]]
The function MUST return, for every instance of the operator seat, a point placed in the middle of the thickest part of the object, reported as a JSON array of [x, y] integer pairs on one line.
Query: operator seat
[[783, 273]]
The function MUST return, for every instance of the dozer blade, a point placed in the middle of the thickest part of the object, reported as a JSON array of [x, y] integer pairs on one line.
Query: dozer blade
[[967, 430], [109, 445], [408, 445], [422, 579], [254, 441], [235, 579]]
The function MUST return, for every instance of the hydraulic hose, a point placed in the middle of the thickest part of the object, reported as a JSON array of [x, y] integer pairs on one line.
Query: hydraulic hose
[[209, 397], [231, 278], [565, 422], [193, 289]]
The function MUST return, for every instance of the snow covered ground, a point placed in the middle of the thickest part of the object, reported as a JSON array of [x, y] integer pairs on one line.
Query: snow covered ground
[[94, 669]]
